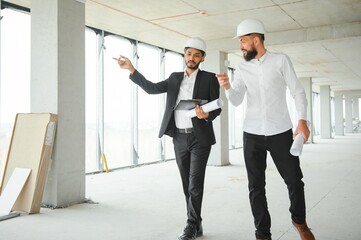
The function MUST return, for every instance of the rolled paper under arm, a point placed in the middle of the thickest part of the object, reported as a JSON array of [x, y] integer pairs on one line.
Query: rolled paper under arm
[[208, 107]]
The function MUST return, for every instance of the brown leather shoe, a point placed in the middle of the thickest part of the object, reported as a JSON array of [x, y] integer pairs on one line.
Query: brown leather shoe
[[304, 231]]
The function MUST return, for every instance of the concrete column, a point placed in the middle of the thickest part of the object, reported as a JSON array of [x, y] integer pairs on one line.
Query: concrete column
[[348, 114], [307, 84], [58, 86], [355, 108], [339, 128], [215, 62], [325, 108]]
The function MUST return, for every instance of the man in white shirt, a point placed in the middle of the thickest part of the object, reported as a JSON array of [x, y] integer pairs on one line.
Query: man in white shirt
[[264, 78]]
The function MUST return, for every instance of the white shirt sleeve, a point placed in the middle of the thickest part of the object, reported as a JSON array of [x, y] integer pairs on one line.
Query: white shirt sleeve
[[235, 94], [296, 89]]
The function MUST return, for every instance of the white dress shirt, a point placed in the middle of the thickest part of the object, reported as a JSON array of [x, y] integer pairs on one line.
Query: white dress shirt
[[265, 81], [185, 93]]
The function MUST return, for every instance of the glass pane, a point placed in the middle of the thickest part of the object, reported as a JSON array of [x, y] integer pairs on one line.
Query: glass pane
[[15, 73], [117, 104], [91, 100], [149, 116], [173, 63]]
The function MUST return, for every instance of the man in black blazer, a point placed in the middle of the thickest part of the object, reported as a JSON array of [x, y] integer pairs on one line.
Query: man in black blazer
[[192, 137]]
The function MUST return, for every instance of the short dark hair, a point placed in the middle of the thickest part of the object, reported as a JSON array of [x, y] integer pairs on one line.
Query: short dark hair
[[203, 53]]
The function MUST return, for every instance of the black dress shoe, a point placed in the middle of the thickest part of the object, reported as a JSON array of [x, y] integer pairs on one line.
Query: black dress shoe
[[189, 232]]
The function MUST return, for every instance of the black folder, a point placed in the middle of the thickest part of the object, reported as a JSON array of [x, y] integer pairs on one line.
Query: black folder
[[189, 104]]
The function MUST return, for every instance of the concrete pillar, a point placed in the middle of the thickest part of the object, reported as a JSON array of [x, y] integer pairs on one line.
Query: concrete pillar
[[307, 84], [215, 62], [339, 125], [58, 86], [325, 109], [348, 114]]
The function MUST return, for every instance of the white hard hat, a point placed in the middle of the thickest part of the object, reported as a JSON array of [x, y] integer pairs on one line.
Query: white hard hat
[[249, 26], [196, 43]]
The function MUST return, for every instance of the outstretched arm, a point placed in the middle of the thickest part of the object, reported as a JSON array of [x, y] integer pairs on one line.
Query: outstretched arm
[[139, 79]]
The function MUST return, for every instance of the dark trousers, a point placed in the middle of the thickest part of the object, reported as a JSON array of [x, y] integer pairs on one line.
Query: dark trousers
[[255, 149], [192, 160]]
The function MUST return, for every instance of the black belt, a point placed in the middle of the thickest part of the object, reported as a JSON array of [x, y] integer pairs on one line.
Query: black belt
[[184, 130]]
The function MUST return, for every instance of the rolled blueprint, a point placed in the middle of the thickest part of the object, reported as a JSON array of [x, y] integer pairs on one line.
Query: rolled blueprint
[[296, 148], [208, 107]]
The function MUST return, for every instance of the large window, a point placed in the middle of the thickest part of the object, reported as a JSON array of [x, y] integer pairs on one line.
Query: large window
[[125, 124], [117, 104], [15, 73], [149, 105], [91, 100]]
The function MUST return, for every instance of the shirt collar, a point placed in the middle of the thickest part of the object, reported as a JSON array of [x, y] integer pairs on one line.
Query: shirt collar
[[194, 74], [262, 59]]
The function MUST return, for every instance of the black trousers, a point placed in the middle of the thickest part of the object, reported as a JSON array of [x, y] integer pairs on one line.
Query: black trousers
[[255, 149], [192, 160]]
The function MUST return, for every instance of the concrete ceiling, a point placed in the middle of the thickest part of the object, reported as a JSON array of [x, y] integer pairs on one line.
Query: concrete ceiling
[[322, 37]]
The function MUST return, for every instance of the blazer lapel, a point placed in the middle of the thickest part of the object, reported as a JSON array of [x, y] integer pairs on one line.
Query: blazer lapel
[[197, 83], [178, 81]]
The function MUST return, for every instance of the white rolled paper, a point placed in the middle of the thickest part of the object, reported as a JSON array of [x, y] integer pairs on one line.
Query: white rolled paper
[[208, 107], [296, 148]]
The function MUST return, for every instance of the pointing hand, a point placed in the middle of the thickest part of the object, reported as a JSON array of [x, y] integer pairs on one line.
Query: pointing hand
[[223, 80], [125, 63]]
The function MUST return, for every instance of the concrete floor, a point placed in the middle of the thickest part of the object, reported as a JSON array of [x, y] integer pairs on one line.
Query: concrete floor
[[146, 203]]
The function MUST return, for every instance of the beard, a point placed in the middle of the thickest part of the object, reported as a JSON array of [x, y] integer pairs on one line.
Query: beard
[[195, 65], [249, 55]]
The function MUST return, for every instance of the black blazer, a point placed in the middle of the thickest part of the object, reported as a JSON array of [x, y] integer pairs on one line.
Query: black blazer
[[206, 87]]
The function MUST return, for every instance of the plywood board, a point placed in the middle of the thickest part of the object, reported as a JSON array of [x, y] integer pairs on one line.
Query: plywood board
[[31, 147]]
